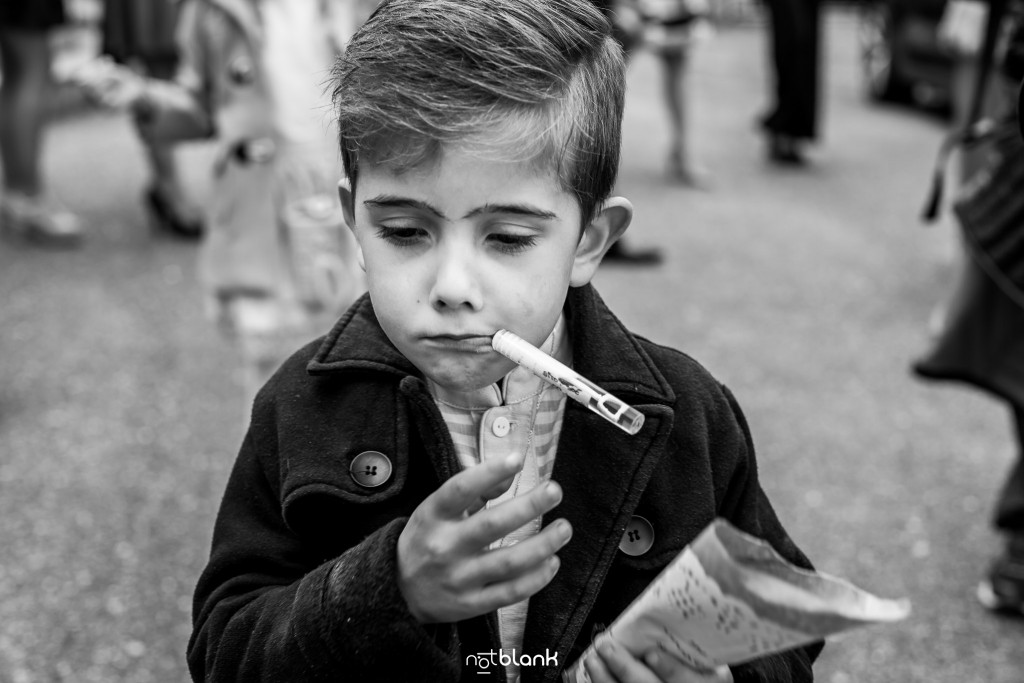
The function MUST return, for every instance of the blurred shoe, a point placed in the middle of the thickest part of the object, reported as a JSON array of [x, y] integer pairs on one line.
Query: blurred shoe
[[684, 174], [632, 257], [785, 150], [38, 220], [1002, 591], [172, 214]]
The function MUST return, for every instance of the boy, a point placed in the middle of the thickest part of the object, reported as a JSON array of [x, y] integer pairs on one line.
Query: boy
[[383, 519]]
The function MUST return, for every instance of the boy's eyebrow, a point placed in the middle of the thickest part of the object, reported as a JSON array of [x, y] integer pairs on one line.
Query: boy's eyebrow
[[386, 201], [395, 201], [514, 209]]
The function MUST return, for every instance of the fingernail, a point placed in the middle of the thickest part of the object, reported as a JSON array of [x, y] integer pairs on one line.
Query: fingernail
[[565, 530], [554, 491]]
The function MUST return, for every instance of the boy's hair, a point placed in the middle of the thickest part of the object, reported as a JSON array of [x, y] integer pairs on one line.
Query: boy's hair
[[536, 80]]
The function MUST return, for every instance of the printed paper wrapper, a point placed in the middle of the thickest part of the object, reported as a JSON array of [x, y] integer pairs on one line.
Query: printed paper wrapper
[[729, 597]]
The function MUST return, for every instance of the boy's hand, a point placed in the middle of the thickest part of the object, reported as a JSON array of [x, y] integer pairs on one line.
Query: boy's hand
[[612, 663], [446, 571]]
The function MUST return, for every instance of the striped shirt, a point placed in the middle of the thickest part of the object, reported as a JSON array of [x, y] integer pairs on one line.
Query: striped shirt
[[521, 414]]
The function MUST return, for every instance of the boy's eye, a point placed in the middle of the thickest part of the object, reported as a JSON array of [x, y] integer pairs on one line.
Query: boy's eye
[[401, 236], [512, 243]]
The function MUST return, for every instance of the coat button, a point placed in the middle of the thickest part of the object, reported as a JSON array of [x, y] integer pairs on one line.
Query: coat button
[[501, 426], [370, 469], [638, 538]]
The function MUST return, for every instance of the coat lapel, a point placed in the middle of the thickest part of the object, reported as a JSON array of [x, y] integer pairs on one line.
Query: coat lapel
[[601, 488], [602, 471]]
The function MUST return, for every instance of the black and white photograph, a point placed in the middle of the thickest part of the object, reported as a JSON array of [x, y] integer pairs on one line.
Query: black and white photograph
[[522, 341]]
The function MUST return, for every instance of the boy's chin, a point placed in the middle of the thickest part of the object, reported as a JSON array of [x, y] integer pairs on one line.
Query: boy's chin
[[467, 380]]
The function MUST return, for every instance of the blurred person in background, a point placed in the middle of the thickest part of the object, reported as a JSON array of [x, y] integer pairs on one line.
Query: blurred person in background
[[792, 120], [979, 329], [667, 28], [277, 263], [140, 34], [27, 210]]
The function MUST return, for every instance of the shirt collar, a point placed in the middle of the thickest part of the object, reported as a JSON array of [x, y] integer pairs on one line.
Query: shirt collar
[[518, 385]]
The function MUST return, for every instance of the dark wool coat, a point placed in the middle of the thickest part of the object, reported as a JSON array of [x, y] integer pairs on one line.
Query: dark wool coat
[[301, 584]]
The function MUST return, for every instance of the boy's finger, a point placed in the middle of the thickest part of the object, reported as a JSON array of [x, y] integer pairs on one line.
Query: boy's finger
[[623, 666], [498, 489], [505, 564], [465, 489], [598, 670], [671, 670], [522, 587], [498, 521], [490, 494]]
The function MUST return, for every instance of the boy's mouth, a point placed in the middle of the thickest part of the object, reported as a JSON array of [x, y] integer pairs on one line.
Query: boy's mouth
[[466, 343]]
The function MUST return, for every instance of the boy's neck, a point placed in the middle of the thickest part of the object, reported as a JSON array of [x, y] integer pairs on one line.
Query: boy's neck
[[518, 385]]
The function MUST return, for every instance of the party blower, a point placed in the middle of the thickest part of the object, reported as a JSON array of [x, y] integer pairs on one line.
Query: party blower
[[570, 382]]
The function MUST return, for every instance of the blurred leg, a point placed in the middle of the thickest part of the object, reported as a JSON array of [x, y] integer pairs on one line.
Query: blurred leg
[[24, 107], [1010, 508], [673, 67], [674, 83], [794, 43], [1002, 589], [806, 105], [166, 199], [24, 95], [172, 209], [782, 41]]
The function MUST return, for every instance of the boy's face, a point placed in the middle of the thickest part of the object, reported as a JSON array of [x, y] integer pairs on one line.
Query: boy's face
[[460, 248]]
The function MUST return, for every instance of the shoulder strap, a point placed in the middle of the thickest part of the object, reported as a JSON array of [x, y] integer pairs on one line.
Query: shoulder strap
[[996, 12]]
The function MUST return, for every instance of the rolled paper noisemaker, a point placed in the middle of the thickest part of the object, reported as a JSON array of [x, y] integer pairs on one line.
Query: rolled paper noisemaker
[[568, 381]]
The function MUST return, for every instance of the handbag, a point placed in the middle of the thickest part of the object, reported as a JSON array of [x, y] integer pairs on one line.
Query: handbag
[[990, 207]]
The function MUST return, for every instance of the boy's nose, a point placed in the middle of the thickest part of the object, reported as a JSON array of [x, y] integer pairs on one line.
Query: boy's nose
[[455, 283]]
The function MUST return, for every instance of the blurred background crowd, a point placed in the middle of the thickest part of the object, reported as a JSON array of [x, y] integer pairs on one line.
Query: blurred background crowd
[[170, 232]]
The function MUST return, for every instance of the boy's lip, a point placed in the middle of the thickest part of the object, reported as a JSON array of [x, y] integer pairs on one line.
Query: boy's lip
[[474, 343]]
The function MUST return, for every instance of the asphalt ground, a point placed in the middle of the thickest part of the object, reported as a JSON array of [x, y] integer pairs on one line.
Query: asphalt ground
[[806, 291]]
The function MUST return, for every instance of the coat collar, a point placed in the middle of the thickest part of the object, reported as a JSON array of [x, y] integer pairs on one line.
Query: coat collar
[[357, 343], [603, 350]]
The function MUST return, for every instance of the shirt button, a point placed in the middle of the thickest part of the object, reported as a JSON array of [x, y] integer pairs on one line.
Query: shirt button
[[639, 537], [501, 426], [370, 469]]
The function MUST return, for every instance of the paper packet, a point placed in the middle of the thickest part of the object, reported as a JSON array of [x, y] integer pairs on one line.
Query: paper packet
[[729, 597]]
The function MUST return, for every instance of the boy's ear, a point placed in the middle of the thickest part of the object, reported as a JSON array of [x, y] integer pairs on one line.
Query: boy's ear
[[611, 221], [348, 209]]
